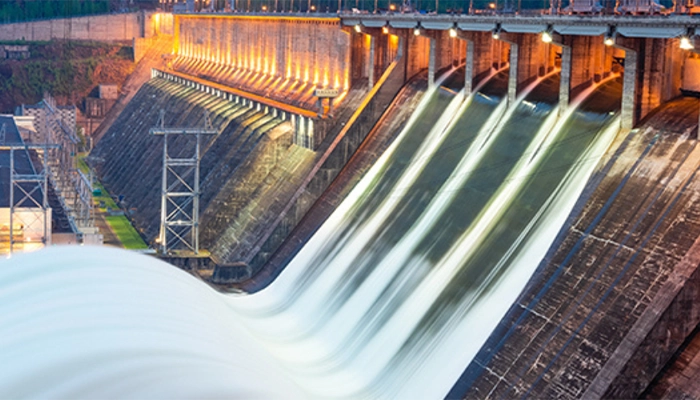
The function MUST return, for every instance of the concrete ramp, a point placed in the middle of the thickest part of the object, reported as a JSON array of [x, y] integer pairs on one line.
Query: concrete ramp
[[252, 150]]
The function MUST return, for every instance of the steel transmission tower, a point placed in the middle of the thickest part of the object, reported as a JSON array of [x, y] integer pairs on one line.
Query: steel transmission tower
[[180, 195], [32, 189]]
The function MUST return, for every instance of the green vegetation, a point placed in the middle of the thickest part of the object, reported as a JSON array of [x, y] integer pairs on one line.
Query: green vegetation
[[104, 201], [29, 10], [125, 232], [82, 165], [121, 226], [68, 70]]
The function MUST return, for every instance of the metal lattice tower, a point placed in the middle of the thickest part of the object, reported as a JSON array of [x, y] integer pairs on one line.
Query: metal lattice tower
[[73, 186], [28, 185], [180, 195]]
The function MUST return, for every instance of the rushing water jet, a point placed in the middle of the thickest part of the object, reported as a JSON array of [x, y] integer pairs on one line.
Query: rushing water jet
[[390, 299]]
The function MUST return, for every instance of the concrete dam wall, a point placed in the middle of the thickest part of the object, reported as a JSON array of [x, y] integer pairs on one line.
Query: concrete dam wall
[[250, 143], [282, 57], [304, 49], [106, 28], [265, 190]]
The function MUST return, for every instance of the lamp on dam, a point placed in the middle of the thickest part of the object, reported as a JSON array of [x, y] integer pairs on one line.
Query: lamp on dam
[[547, 35], [385, 29], [416, 30], [453, 31], [609, 39], [496, 32], [686, 42], [358, 28]]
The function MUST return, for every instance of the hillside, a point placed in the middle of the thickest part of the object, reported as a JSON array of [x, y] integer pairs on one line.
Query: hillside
[[32, 10], [68, 70]]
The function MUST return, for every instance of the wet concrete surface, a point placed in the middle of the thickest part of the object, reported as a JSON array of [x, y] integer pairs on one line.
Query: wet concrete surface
[[681, 378], [639, 216], [372, 148]]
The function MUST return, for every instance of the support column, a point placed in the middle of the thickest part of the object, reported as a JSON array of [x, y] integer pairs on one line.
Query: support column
[[469, 68], [565, 80], [629, 84], [432, 61], [372, 50], [513, 61], [629, 81], [513, 74]]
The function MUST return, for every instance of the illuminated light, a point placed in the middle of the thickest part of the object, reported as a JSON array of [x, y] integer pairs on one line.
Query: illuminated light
[[264, 8], [492, 6], [496, 35], [416, 31], [546, 37], [392, 7], [358, 28], [608, 41], [313, 8], [453, 32], [686, 44], [385, 30]]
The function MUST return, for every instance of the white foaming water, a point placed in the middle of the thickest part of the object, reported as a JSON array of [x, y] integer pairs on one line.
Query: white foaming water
[[96, 322]]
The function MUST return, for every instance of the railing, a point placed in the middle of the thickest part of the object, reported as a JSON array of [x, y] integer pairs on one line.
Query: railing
[[74, 187]]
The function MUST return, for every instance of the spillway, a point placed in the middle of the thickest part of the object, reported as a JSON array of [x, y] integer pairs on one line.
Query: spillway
[[398, 290], [410, 266]]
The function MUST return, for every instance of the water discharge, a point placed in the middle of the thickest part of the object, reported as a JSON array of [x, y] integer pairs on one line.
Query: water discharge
[[396, 292]]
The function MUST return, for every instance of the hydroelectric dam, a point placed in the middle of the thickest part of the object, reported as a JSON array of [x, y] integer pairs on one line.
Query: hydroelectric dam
[[388, 205]]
